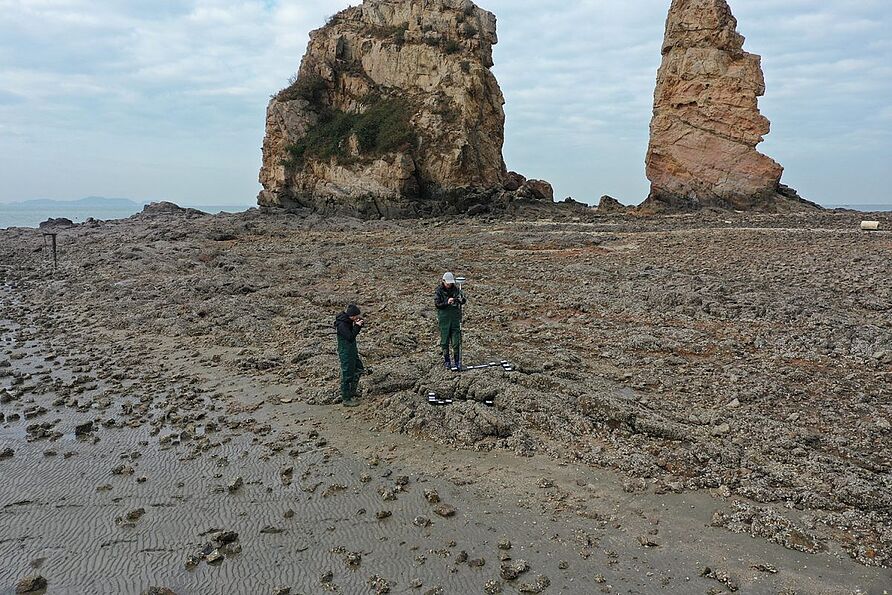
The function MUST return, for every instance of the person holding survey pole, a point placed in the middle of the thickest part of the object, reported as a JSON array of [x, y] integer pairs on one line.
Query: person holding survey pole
[[449, 301]]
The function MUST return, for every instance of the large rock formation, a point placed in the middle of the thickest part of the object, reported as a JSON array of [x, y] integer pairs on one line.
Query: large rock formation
[[394, 112], [706, 122]]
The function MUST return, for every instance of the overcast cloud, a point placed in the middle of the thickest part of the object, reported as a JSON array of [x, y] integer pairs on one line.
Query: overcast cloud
[[166, 100]]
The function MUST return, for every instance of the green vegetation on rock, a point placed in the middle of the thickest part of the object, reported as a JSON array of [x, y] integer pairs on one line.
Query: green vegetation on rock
[[382, 128], [309, 88]]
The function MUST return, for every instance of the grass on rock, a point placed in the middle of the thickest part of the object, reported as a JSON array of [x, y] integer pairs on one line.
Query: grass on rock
[[382, 128]]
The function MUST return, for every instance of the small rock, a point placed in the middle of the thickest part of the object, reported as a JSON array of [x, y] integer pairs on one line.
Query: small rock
[[235, 485], [83, 429], [421, 521], [224, 537], [31, 584], [769, 568], [6, 453], [540, 584], [131, 518], [432, 496], [122, 470], [647, 542], [379, 584], [513, 569], [353, 559], [192, 562], [444, 510], [720, 575], [504, 544], [492, 587], [721, 430]]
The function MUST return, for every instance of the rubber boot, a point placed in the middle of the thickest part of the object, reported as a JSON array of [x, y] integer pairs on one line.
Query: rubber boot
[[458, 367], [447, 363]]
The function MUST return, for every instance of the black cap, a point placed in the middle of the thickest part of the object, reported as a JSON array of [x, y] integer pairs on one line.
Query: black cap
[[352, 310]]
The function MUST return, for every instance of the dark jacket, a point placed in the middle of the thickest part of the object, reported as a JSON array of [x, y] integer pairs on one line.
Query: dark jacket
[[442, 295], [346, 329]]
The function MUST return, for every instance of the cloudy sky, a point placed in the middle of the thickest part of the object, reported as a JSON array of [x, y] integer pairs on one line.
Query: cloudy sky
[[166, 99]]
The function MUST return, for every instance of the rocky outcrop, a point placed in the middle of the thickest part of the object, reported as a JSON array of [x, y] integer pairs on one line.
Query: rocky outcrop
[[165, 208], [706, 121], [394, 112], [57, 222], [609, 206]]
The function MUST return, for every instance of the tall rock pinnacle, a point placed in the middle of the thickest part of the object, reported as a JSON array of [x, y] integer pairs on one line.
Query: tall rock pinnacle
[[706, 121], [394, 112]]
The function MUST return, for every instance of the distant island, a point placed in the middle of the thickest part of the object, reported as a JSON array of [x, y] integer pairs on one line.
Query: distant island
[[88, 202]]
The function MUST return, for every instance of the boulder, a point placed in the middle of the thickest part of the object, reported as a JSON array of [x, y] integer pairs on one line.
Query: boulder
[[514, 181], [609, 205], [537, 190], [706, 120], [31, 584], [57, 222], [164, 208]]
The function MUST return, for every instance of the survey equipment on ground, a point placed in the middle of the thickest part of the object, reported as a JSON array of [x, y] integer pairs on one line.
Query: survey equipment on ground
[[438, 401]]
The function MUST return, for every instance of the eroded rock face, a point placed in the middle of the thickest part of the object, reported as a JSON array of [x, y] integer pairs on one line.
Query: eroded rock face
[[706, 121], [394, 112]]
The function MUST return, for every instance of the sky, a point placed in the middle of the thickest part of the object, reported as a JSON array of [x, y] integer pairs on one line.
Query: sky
[[165, 100]]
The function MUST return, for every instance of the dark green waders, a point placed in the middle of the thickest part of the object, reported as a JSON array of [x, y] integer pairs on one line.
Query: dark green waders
[[351, 368], [450, 331]]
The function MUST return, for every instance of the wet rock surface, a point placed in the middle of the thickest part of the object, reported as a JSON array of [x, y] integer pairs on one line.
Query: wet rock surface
[[692, 381]]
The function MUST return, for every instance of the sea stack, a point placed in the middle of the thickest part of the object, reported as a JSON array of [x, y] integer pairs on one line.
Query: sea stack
[[393, 113], [706, 121]]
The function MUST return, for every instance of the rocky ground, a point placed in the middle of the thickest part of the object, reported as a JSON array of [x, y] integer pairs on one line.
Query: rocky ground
[[682, 386]]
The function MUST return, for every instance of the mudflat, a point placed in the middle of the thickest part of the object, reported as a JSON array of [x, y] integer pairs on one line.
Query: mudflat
[[697, 404]]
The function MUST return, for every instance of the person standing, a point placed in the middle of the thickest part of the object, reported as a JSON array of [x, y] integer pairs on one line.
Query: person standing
[[449, 301], [349, 324]]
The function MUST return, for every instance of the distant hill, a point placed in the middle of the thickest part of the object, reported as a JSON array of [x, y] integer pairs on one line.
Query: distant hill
[[89, 202]]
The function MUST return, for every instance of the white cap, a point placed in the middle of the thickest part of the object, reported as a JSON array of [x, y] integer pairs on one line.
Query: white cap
[[449, 278]]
